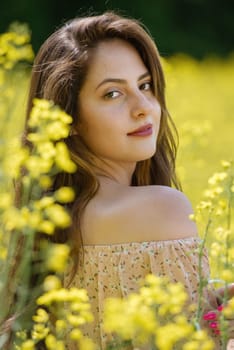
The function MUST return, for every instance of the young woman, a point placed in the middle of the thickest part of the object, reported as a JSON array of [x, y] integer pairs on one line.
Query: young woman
[[127, 219]]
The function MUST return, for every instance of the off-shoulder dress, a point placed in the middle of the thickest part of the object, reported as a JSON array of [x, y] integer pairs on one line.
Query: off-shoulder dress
[[115, 270]]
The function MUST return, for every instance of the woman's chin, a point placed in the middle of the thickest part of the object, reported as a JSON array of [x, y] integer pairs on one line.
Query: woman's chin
[[146, 155]]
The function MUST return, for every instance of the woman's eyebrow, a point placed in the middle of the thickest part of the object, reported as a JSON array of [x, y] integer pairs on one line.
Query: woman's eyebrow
[[122, 81]]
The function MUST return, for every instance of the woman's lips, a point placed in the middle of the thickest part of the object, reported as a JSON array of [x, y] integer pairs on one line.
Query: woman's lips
[[143, 131]]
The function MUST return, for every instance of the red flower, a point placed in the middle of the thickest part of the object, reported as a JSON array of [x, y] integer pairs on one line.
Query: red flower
[[220, 307], [210, 316], [213, 325]]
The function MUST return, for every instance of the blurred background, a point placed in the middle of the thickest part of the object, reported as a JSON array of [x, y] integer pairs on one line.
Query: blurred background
[[196, 27], [195, 39]]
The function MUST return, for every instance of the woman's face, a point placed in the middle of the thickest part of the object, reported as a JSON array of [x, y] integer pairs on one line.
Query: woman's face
[[116, 99]]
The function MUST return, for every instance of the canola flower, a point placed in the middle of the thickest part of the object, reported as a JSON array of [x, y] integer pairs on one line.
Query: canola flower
[[214, 214], [217, 209], [35, 211], [15, 46], [15, 55], [58, 318], [154, 317]]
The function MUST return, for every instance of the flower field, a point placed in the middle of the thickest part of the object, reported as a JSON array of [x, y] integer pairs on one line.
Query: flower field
[[200, 100]]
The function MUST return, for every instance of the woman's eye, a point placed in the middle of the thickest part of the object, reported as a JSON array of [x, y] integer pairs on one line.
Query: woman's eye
[[112, 94], [146, 86]]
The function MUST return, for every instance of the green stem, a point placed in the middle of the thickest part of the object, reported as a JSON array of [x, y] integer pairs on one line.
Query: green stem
[[224, 335], [202, 282]]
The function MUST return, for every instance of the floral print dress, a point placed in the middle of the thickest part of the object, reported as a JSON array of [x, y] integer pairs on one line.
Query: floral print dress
[[115, 271]]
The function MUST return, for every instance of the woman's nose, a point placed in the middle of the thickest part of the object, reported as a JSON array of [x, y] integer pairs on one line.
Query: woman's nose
[[141, 106]]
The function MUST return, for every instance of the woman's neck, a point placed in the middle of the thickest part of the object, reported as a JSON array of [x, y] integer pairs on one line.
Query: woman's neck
[[106, 179]]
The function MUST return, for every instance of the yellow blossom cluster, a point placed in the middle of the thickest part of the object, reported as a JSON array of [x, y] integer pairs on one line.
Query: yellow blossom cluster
[[229, 309], [38, 210], [48, 124], [46, 157], [215, 213], [154, 317], [33, 208], [220, 193], [218, 197], [15, 46], [60, 314], [214, 216]]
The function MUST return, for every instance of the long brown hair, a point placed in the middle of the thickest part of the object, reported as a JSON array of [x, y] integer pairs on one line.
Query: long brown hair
[[58, 74]]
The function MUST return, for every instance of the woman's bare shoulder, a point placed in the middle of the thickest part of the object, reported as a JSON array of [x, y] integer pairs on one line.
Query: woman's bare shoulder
[[144, 213], [149, 213], [165, 212]]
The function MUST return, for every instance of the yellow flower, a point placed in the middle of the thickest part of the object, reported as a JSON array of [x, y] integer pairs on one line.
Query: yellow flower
[[78, 295], [222, 203], [86, 344], [199, 341], [51, 342], [217, 190], [21, 335], [57, 257], [227, 275], [63, 160], [15, 47], [192, 217], [45, 182], [64, 195], [38, 166], [215, 249], [204, 205], [56, 130], [228, 311], [46, 298], [28, 345], [41, 316], [221, 234], [39, 112], [60, 326], [209, 193], [167, 336], [6, 200], [39, 331], [75, 320], [60, 345], [51, 282], [191, 345], [44, 202], [176, 300], [225, 164], [217, 178], [75, 334], [58, 215], [116, 318], [46, 149], [47, 227], [79, 307], [15, 158]]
